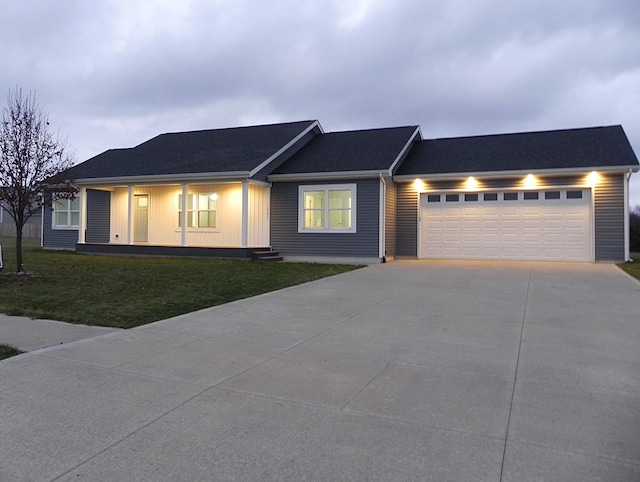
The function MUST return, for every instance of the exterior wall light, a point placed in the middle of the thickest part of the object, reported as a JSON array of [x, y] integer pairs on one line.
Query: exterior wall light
[[593, 178], [530, 181], [471, 183], [419, 185]]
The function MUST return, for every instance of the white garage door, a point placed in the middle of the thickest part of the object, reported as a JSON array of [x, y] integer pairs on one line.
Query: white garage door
[[553, 225]]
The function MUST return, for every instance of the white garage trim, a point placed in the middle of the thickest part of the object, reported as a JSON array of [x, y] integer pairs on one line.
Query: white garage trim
[[550, 224]]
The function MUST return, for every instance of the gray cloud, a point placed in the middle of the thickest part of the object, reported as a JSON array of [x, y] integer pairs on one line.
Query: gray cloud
[[116, 73]]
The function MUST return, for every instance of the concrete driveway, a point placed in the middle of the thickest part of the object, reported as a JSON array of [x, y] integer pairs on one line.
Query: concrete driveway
[[434, 370]]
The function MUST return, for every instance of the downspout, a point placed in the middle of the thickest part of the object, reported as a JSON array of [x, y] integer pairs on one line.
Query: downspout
[[42, 221], [627, 256], [383, 201], [82, 228]]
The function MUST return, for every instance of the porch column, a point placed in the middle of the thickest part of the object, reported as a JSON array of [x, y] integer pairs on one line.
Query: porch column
[[244, 243], [82, 228], [183, 215], [130, 215]]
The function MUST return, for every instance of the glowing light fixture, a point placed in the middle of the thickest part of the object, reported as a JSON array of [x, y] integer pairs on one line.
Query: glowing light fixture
[[213, 197], [471, 183], [530, 181], [419, 185], [593, 178]]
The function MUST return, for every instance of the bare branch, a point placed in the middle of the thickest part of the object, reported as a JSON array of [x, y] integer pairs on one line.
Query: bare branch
[[31, 157]]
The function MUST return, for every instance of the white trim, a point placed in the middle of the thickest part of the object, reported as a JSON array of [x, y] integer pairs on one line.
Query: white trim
[[82, 227], [326, 188], [244, 240], [406, 147], [287, 146], [130, 214], [382, 217], [69, 227], [166, 178], [626, 216], [448, 176], [334, 175], [183, 214]]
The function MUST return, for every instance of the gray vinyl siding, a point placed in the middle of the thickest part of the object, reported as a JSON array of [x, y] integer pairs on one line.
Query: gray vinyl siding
[[286, 239], [609, 218], [98, 216], [56, 238], [390, 219], [406, 220], [263, 173]]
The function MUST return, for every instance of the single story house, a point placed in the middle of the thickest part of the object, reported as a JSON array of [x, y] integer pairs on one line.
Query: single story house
[[354, 196]]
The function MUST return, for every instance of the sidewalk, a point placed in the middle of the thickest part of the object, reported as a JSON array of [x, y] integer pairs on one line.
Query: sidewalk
[[28, 334]]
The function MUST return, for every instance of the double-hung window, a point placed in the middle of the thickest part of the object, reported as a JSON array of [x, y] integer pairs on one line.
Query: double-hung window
[[327, 208], [201, 210], [66, 213]]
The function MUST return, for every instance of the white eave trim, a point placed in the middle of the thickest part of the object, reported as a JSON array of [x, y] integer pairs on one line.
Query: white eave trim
[[262, 165], [504, 174], [417, 133], [165, 178], [321, 176]]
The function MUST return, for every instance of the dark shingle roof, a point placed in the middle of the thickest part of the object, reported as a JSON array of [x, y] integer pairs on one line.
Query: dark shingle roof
[[590, 148], [363, 150], [238, 149]]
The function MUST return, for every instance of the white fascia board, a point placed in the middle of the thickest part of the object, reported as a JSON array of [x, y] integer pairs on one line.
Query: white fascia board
[[263, 164], [165, 178], [417, 133], [322, 176], [504, 174]]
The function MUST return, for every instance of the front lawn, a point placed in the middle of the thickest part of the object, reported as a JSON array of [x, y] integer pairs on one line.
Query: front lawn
[[125, 292], [633, 268]]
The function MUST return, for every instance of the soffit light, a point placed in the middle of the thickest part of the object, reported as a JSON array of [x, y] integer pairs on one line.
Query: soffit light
[[593, 178]]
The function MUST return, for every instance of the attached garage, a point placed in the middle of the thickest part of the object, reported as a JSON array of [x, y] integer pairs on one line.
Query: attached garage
[[551, 196], [544, 225]]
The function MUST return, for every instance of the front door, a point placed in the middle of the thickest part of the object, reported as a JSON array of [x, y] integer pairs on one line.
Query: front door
[[141, 219]]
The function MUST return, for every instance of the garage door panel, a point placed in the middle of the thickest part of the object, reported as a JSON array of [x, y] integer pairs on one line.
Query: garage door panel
[[535, 229]]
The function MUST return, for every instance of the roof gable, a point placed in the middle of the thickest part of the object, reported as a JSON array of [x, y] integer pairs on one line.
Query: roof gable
[[348, 151], [588, 148], [238, 150]]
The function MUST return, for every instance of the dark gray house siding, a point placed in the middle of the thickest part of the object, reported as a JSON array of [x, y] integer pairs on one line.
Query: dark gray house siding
[[57, 238], [406, 220], [98, 216], [286, 239], [609, 218], [390, 219]]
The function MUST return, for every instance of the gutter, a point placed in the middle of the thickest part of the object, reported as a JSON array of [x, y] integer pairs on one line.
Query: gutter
[[314, 176], [166, 178], [447, 176]]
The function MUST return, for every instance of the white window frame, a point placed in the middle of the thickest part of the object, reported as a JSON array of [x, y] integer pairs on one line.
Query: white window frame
[[326, 188], [68, 211], [194, 210]]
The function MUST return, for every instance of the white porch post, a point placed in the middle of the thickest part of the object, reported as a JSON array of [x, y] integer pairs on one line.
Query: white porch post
[[82, 228], [245, 214], [130, 215], [183, 215]]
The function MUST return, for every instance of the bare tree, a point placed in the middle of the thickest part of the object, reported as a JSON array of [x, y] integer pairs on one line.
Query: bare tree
[[31, 158]]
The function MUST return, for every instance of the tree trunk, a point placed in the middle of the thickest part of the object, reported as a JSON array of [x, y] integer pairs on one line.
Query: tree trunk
[[19, 267]]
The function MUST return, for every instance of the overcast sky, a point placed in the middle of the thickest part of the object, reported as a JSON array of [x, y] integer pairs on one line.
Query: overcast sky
[[114, 73]]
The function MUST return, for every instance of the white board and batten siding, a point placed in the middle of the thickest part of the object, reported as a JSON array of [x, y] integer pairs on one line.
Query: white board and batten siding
[[544, 225]]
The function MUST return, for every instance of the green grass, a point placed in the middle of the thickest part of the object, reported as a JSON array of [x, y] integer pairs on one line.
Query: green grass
[[633, 268], [7, 351], [125, 292]]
